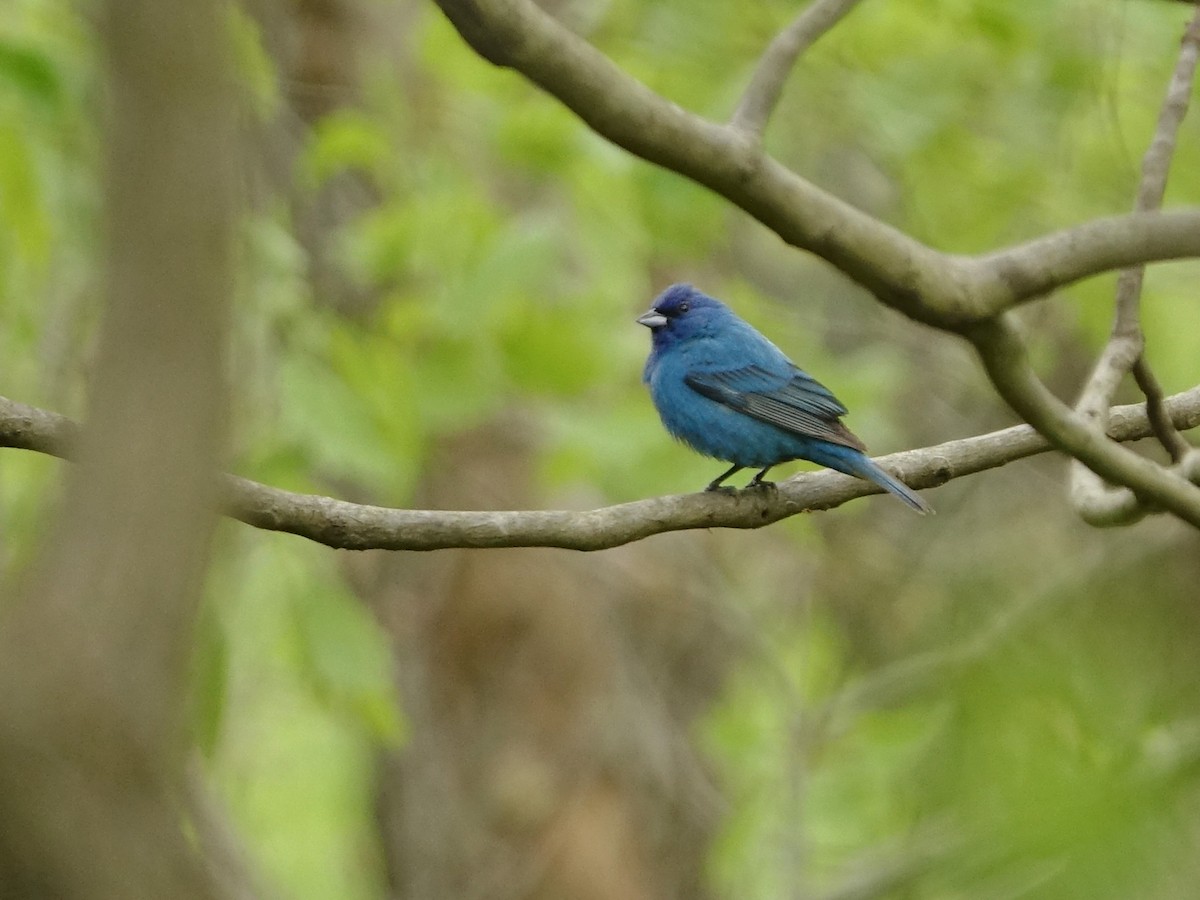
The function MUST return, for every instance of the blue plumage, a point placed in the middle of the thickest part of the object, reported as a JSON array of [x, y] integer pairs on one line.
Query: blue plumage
[[729, 393]]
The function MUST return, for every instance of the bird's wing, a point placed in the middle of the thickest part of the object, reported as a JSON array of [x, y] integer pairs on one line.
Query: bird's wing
[[795, 401]]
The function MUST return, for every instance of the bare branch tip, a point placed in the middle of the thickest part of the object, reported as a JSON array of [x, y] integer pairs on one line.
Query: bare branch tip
[[762, 95]]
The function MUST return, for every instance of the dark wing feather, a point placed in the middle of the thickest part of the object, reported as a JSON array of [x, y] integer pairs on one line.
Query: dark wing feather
[[795, 402]]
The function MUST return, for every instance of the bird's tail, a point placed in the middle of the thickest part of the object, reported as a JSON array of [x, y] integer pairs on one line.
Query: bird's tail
[[864, 467], [853, 461], [871, 472]]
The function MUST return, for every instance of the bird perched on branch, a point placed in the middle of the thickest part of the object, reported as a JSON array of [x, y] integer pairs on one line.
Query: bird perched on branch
[[729, 393]]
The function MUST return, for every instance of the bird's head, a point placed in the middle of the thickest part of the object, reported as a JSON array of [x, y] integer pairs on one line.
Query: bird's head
[[681, 312]]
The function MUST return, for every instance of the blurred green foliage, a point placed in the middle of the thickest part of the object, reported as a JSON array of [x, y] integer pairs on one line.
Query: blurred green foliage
[[1042, 747]]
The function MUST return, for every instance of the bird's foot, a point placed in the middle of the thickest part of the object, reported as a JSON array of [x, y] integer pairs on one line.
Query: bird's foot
[[718, 488], [758, 482]]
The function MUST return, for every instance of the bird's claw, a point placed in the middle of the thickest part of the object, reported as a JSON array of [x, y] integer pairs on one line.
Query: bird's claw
[[715, 488]]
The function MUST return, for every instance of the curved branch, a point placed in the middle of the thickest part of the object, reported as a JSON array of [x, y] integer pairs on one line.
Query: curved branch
[[1164, 429], [1004, 357], [766, 86], [1034, 268], [943, 290], [1097, 502], [353, 526], [1125, 344], [1103, 506]]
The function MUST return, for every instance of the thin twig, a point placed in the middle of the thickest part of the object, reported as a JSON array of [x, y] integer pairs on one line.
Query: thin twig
[[766, 85], [1164, 428], [353, 526], [1095, 500]]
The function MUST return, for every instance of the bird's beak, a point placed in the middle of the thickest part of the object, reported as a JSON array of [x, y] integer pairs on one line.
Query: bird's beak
[[652, 319]]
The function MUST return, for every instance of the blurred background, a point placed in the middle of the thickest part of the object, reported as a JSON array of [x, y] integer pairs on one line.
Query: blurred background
[[438, 273]]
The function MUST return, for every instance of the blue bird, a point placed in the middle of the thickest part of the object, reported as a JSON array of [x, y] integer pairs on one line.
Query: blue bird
[[729, 393]]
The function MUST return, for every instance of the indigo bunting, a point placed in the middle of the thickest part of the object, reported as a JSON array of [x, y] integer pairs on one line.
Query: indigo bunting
[[729, 393]]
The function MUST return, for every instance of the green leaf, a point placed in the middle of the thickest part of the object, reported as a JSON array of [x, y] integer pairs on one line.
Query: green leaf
[[344, 140], [254, 63], [22, 211], [347, 659], [31, 72], [336, 427]]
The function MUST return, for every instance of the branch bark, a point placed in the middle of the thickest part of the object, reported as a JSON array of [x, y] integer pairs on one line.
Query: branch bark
[[968, 295], [1093, 499], [1006, 362], [353, 526], [944, 290], [766, 85]]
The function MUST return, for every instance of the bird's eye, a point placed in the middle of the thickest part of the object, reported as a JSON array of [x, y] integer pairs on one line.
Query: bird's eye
[[684, 307]]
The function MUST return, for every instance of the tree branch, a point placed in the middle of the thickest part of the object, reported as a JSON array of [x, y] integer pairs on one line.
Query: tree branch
[[353, 526], [943, 290], [1004, 358], [1095, 500], [1164, 428], [766, 85], [1035, 268]]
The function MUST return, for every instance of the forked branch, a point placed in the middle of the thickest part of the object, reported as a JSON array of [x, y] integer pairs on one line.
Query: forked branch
[[1125, 351], [943, 290]]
